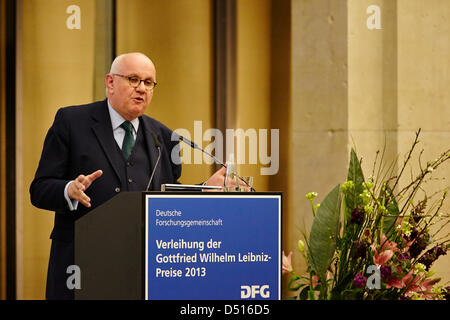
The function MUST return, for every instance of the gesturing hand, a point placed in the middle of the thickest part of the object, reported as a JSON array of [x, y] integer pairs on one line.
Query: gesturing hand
[[218, 179], [77, 187]]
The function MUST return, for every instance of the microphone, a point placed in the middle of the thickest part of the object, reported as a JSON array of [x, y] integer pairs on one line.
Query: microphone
[[195, 146], [157, 145]]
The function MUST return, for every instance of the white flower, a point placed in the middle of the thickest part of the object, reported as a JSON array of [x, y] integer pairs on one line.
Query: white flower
[[419, 267]]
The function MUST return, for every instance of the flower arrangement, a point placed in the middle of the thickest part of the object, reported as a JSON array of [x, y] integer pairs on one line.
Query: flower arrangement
[[373, 239]]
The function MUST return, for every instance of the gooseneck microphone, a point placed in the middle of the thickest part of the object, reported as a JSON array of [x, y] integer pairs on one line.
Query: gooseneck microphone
[[195, 146], [158, 146]]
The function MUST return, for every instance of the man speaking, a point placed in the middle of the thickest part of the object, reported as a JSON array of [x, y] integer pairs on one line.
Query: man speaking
[[94, 151]]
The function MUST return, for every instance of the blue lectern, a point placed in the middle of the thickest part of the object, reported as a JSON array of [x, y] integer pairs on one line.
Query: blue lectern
[[181, 246]]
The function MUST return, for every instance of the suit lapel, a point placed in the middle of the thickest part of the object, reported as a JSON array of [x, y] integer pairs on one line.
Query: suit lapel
[[103, 131]]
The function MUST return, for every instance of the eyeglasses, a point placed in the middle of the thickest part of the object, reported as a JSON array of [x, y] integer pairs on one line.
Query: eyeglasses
[[136, 82]]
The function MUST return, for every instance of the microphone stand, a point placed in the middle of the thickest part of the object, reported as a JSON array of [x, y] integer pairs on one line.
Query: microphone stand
[[195, 146], [158, 145]]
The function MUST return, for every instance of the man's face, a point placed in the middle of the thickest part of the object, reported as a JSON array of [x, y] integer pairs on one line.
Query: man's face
[[131, 102]]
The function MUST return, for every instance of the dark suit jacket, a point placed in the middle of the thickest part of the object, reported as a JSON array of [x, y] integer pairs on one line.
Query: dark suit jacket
[[81, 141]]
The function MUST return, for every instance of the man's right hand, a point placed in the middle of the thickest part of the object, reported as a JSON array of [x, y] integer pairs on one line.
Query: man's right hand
[[77, 187]]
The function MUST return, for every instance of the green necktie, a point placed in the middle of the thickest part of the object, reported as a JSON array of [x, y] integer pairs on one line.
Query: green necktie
[[128, 140]]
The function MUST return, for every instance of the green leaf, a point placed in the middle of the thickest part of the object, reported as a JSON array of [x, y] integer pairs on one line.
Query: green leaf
[[324, 232], [291, 285], [304, 293], [311, 295], [335, 295], [392, 215], [351, 294], [297, 287], [355, 174], [340, 287]]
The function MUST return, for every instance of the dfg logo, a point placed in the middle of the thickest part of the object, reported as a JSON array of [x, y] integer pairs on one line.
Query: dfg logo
[[254, 290]]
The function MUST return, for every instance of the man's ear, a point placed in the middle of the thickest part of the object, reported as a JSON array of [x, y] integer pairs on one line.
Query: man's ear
[[109, 82]]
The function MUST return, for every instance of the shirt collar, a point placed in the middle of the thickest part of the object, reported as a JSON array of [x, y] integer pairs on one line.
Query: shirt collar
[[117, 119]]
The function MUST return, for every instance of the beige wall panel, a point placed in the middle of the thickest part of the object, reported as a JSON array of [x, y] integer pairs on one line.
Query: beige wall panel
[[57, 70], [253, 79], [423, 88], [372, 82], [177, 36], [365, 84], [319, 110], [424, 69], [319, 56], [365, 74]]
